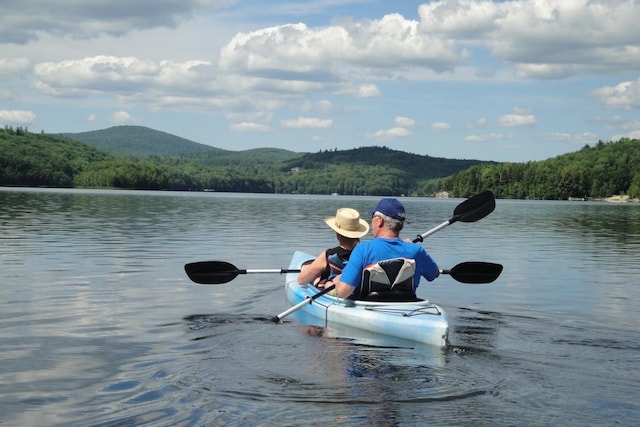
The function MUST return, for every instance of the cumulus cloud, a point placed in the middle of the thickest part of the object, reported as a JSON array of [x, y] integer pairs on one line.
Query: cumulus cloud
[[440, 126], [368, 91], [581, 138], [268, 66], [306, 123], [121, 117], [634, 134], [405, 122], [296, 51], [519, 118], [532, 34], [121, 74], [365, 90], [91, 18], [250, 127], [484, 138], [16, 117], [388, 134], [623, 96]]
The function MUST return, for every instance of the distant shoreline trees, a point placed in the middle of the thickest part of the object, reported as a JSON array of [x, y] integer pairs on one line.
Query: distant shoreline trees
[[606, 169]]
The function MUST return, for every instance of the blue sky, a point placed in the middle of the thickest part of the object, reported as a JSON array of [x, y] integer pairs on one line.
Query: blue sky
[[466, 79]]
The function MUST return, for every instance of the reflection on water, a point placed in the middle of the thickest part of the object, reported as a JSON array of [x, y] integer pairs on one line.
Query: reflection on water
[[99, 325]]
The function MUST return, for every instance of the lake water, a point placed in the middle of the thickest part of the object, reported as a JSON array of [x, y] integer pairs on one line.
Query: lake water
[[99, 325]]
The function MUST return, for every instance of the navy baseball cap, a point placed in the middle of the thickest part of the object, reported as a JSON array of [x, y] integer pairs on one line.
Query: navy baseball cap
[[391, 208]]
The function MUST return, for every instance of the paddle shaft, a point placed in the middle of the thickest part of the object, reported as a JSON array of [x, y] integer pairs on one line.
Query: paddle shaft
[[307, 300], [470, 210], [465, 272], [217, 272]]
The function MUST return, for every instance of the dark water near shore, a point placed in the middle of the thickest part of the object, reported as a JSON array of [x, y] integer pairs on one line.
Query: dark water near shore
[[100, 326]]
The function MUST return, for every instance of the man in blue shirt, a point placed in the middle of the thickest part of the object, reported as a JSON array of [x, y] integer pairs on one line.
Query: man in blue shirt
[[386, 223]]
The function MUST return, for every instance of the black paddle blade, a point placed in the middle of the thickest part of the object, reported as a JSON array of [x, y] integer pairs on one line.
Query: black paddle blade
[[474, 208], [475, 272], [211, 272]]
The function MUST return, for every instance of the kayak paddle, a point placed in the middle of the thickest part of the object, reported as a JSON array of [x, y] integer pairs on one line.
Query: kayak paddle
[[465, 272], [216, 272], [471, 210], [474, 272], [298, 306]]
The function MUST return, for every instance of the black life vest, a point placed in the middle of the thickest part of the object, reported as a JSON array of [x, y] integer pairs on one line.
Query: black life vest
[[337, 259]]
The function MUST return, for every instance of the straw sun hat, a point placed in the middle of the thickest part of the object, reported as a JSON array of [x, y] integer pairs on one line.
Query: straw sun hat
[[347, 222]]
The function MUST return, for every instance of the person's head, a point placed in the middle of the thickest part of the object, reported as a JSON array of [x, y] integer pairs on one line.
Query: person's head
[[389, 214], [347, 224]]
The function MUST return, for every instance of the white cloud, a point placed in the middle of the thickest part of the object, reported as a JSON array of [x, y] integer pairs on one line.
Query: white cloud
[[365, 90], [91, 18], [579, 139], [440, 126], [533, 35], [623, 96], [121, 117], [405, 122], [330, 54], [393, 133], [250, 127], [519, 118], [307, 122], [16, 117], [484, 138], [121, 75], [368, 91], [635, 134]]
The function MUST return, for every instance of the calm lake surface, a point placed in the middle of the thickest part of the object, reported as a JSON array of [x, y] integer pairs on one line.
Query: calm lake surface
[[99, 325]]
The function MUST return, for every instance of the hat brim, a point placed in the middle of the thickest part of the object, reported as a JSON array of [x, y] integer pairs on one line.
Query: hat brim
[[363, 228]]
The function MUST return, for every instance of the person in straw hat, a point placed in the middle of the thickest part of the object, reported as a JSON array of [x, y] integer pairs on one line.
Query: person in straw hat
[[387, 220], [349, 228]]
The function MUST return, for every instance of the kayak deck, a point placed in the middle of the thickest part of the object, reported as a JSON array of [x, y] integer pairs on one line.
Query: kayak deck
[[419, 321]]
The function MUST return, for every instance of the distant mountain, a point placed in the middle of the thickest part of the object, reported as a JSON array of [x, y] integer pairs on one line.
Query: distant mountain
[[414, 166], [38, 159], [140, 141]]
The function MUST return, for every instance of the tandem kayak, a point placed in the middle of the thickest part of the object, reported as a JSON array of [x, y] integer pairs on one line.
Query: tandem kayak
[[419, 321]]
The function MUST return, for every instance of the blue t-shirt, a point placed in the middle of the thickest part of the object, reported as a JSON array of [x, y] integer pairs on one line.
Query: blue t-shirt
[[378, 249]]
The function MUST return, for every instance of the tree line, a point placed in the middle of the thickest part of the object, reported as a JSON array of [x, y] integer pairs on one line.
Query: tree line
[[603, 170], [606, 169]]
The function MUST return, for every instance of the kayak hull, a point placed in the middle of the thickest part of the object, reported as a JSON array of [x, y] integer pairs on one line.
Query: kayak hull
[[420, 321]]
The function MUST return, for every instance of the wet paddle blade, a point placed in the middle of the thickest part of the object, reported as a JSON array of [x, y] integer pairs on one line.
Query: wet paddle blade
[[211, 272], [475, 272], [474, 208]]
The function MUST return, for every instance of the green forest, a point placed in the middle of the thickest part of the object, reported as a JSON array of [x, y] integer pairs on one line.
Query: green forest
[[48, 160], [597, 172]]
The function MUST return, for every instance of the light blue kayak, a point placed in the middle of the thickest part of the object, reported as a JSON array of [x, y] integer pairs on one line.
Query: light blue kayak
[[420, 321]]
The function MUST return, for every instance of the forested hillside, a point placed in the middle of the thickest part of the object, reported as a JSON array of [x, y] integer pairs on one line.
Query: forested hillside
[[413, 165], [43, 160], [593, 172], [374, 170], [600, 171], [140, 141]]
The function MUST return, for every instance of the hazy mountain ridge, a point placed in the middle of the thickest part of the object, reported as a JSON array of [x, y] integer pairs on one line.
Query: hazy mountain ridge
[[599, 171], [140, 141]]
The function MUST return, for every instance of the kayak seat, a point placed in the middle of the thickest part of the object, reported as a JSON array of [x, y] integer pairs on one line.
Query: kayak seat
[[388, 280]]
